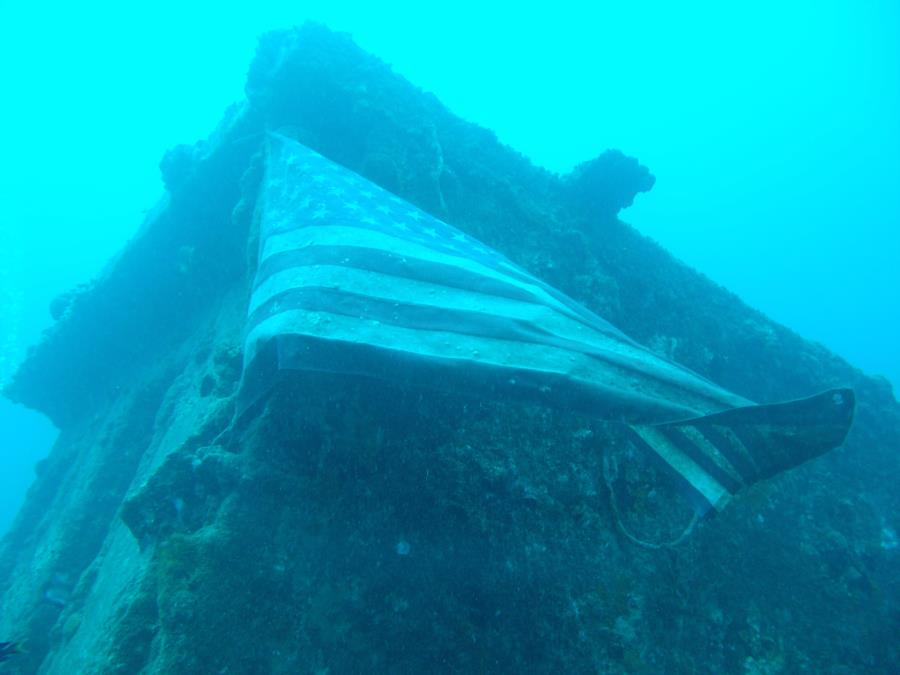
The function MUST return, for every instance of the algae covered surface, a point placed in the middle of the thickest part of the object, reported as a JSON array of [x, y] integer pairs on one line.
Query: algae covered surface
[[351, 524]]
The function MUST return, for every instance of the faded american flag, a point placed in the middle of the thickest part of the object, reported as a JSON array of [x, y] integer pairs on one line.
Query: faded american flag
[[353, 279]]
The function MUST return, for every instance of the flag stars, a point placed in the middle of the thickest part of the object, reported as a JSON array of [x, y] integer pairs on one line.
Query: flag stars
[[336, 191], [320, 213], [383, 208], [352, 206], [429, 231], [414, 215]]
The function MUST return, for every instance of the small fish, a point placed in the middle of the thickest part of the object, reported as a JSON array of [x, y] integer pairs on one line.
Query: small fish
[[8, 649]]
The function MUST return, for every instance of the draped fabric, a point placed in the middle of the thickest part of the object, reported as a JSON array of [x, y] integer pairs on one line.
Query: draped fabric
[[352, 279]]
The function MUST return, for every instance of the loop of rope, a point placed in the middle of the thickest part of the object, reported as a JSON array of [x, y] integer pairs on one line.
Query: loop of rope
[[610, 473]]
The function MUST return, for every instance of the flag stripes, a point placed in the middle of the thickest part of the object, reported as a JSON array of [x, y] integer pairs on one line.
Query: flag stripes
[[354, 280]]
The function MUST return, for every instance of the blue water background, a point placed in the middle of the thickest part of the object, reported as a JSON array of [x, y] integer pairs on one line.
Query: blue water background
[[773, 130]]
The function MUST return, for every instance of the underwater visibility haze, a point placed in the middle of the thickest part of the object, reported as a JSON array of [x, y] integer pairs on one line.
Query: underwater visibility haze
[[476, 340]]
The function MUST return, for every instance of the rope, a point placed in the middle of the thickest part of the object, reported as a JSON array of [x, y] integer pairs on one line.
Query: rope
[[610, 473]]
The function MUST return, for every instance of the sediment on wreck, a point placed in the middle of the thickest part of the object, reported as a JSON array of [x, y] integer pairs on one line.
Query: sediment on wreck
[[360, 525]]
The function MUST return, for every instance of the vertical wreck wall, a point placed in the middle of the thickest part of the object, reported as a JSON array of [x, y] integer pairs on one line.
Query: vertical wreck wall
[[353, 525]]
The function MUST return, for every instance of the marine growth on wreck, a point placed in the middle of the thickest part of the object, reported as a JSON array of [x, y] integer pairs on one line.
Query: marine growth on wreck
[[388, 397]]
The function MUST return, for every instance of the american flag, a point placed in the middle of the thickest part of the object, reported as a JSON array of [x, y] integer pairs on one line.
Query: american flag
[[353, 279]]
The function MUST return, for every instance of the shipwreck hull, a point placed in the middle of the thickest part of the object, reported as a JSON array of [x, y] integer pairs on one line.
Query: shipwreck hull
[[353, 524]]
